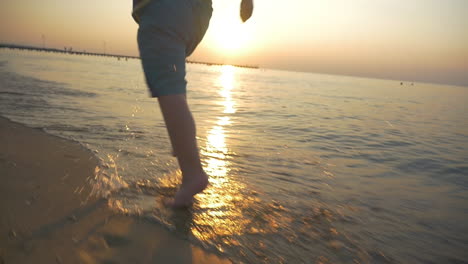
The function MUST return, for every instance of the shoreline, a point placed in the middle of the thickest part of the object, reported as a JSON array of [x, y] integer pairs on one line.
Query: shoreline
[[48, 215]]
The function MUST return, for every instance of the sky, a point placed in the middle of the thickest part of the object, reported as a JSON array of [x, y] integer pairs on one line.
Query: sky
[[416, 40]]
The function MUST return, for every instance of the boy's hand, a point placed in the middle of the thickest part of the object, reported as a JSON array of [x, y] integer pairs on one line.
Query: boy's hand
[[246, 9]]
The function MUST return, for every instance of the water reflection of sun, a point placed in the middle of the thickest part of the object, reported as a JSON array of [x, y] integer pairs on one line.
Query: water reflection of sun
[[223, 195], [216, 150]]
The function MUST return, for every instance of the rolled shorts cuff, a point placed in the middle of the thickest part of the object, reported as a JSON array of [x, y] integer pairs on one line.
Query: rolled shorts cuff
[[165, 75], [169, 31]]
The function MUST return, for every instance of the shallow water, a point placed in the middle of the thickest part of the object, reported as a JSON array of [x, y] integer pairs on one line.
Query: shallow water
[[304, 168]]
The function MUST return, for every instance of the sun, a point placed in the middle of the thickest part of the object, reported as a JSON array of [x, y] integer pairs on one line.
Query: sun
[[228, 34]]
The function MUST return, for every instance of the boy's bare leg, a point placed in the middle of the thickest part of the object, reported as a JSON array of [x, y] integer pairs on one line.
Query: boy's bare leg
[[181, 128]]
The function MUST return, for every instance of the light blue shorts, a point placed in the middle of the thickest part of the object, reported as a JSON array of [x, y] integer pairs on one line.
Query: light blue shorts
[[169, 31]]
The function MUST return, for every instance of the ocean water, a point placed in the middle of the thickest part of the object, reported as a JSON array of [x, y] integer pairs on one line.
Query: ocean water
[[304, 168]]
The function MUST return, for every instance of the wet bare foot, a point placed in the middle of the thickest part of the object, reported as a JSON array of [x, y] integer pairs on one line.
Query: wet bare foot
[[188, 188]]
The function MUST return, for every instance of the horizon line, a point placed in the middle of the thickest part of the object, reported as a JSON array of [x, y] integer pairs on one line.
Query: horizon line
[[84, 52]]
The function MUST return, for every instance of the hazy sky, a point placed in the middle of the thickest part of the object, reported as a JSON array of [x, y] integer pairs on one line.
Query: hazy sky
[[397, 39]]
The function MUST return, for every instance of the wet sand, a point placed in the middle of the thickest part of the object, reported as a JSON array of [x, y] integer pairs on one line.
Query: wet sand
[[47, 215]]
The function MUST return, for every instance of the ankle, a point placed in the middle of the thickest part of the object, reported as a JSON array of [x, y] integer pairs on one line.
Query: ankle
[[199, 177]]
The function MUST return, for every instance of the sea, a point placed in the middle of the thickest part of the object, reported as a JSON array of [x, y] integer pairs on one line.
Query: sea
[[304, 167]]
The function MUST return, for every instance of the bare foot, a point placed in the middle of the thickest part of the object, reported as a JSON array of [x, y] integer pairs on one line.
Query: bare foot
[[188, 188]]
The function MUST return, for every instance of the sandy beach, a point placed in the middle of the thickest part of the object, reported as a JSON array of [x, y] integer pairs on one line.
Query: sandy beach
[[49, 217]]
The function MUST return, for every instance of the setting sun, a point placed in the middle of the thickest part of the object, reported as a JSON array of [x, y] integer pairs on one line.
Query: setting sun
[[231, 35], [227, 33]]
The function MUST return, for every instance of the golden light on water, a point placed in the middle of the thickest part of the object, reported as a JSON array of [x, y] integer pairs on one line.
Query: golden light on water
[[227, 211], [216, 149], [227, 82], [223, 195]]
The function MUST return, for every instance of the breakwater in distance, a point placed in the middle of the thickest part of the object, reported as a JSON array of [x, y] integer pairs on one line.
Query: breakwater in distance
[[119, 57]]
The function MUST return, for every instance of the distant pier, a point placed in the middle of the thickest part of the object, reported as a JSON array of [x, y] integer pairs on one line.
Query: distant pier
[[64, 51], [85, 53]]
